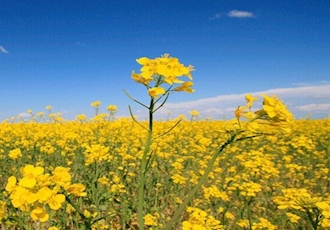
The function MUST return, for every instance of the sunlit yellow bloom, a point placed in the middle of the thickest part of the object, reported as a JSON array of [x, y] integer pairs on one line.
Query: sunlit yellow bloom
[[81, 117], [61, 176], [240, 111], [53, 228], [185, 87], [243, 223], [96, 104], [194, 113], [3, 210], [200, 220], [55, 201], [150, 220], [39, 214], [11, 184], [143, 61], [30, 174], [172, 80], [292, 217], [77, 189], [156, 91], [250, 99], [21, 198], [112, 108], [263, 224], [141, 79]]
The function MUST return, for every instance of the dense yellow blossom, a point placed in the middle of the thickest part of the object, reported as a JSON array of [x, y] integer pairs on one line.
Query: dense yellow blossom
[[279, 177]]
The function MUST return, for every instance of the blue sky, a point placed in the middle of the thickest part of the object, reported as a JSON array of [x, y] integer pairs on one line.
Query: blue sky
[[68, 54]]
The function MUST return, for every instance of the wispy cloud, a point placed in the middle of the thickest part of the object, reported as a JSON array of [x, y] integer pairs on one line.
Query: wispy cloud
[[240, 14], [216, 16], [314, 108], [3, 50], [300, 100], [24, 114]]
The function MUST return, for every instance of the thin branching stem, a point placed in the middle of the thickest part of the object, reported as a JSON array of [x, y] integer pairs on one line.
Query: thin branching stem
[[135, 100], [131, 113], [163, 134]]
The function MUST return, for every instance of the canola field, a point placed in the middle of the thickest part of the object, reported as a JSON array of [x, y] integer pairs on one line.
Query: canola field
[[260, 170], [91, 168]]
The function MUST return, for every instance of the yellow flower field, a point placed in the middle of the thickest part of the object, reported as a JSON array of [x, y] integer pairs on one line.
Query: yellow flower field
[[260, 170], [276, 181]]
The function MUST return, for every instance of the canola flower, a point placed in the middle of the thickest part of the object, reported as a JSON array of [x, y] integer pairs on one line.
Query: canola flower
[[35, 192], [155, 73], [158, 76]]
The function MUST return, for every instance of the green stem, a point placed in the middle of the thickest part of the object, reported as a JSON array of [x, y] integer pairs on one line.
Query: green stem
[[144, 167], [310, 217], [86, 221], [201, 181]]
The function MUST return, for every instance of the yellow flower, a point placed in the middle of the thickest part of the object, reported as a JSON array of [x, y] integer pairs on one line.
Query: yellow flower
[[96, 104], [156, 91], [55, 201], [48, 107], [40, 214], [166, 68], [61, 176], [292, 217], [3, 210], [15, 153], [52, 228], [150, 220], [185, 87], [194, 113], [199, 219], [77, 189], [263, 224], [243, 223], [81, 117], [112, 108], [325, 208], [50, 197], [21, 198], [144, 61], [30, 174], [11, 184], [240, 111], [250, 99]]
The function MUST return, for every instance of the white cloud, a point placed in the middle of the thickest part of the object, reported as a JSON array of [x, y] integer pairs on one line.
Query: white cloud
[[299, 100], [3, 50], [24, 114], [312, 108], [240, 14], [215, 16]]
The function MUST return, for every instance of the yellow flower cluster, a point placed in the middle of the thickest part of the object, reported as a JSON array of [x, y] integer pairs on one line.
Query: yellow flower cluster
[[15, 153], [214, 193], [151, 220], [199, 219], [324, 207], [164, 69], [298, 199], [273, 112], [96, 153], [3, 210], [249, 189], [263, 224], [276, 162], [36, 191]]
